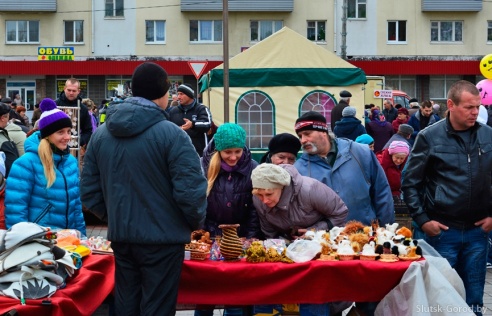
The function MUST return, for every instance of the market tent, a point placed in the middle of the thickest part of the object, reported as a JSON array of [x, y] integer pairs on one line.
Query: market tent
[[276, 80]]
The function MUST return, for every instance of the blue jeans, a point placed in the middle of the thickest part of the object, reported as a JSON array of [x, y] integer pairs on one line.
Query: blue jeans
[[466, 251], [489, 257]]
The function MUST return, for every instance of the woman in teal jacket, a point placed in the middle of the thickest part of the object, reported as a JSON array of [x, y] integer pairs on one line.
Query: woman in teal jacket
[[43, 184]]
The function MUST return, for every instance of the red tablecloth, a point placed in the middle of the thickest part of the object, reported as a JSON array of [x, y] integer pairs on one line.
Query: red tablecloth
[[241, 283], [82, 296]]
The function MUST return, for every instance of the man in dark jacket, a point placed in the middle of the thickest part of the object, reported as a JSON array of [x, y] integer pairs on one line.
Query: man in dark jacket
[[389, 111], [422, 118], [142, 175], [336, 112], [194, 118], [447, 188], [69, 97]]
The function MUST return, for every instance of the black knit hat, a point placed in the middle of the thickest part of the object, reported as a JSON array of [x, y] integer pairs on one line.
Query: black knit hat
[[311, 120], [284, 142], [187, 89], [149, 81]]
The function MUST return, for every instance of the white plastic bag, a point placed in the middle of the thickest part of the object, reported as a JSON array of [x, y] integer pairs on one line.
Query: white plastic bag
[[302, 250]]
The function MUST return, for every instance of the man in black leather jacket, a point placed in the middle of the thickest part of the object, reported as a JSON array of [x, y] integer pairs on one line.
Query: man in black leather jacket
[[447, 188]]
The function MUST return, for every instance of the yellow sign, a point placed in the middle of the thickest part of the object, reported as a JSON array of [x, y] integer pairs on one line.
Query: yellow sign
[[56, 53]]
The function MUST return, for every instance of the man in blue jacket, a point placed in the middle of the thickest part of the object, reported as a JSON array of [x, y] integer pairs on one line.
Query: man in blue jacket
[[349, 168], [143, 176]]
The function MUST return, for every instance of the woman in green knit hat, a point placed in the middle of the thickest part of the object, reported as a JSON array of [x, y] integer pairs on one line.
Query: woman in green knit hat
[[228, 165]]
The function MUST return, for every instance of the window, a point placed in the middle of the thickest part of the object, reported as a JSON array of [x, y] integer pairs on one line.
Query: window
[[255, 115], [439, 86], [397, 31], [74, 31], [118, 86], [155, 32], [447, 31], [262, 29], [407, 84], [489, 31], [316, 31], [356, 9], [22, 32], [206, 31], [114, 8], [319, 101]]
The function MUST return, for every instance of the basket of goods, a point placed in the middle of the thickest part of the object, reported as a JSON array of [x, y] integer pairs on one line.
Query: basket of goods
[[368, 252], [199, 246]]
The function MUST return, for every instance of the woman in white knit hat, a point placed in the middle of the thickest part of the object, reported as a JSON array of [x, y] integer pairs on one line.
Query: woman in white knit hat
[[289, 204]]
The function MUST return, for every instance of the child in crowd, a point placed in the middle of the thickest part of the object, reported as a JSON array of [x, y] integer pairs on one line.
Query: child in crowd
[[393, 159]]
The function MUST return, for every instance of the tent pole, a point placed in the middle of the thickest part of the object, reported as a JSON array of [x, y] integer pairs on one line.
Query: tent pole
[[225, 45]]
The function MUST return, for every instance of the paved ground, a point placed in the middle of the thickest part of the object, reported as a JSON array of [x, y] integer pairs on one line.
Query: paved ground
[[98, 230]]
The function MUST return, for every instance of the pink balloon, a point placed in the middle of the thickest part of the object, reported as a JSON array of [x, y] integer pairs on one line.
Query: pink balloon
[[485, 88]]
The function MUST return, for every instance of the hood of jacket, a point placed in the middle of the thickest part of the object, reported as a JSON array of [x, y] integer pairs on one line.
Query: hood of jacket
[[66, 102], [132, 116], [348, 124]]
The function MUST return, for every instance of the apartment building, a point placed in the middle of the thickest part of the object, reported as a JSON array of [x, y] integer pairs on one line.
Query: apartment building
[[420, 46]]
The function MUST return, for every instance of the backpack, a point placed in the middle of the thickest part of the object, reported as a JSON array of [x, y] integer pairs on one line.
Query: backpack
[[10, 150]]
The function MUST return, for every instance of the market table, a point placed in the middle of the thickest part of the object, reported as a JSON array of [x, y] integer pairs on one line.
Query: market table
[[241, 283], [82, 295]]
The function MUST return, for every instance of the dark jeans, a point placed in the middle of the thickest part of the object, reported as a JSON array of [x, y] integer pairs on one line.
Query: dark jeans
[[466, 251], [147, 278]]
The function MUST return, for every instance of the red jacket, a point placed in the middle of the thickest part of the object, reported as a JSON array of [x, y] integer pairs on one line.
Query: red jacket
[[392, 171], [396, 123]]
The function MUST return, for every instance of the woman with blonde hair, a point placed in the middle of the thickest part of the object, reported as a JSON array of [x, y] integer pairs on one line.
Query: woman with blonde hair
[[43, 184], [227, 163]]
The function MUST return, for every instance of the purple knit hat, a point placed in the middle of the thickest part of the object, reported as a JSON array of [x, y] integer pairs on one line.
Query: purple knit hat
[[52, 119]]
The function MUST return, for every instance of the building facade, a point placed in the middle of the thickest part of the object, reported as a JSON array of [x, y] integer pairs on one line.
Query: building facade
[[420, 47]]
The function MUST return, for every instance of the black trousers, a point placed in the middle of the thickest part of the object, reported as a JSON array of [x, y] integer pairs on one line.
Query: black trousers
[[147, 278]]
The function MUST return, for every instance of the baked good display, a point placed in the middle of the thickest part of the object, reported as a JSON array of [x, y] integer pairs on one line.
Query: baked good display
[[354, 241]]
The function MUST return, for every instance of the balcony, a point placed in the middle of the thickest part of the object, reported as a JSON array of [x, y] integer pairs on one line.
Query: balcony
[[452, 5], [238, 5], [27, 5]]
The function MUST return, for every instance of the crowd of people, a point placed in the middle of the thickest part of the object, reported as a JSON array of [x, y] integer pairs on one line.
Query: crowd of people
[[155, 173]]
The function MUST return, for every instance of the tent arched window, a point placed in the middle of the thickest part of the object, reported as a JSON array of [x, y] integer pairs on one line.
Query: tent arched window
[[319, 101], [255, 113]]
